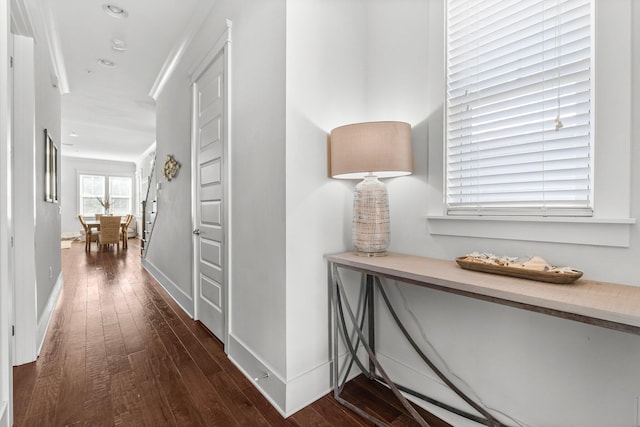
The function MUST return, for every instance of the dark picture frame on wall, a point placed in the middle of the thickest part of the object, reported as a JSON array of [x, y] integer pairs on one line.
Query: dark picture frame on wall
[[50, 169]]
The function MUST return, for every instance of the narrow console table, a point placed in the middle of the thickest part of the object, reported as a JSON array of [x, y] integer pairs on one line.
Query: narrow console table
[[602, 304]]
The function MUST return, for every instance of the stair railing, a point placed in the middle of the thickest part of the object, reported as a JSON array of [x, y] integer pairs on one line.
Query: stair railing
[[149, 210]]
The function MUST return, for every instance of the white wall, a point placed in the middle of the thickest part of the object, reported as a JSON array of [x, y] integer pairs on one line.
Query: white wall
[[173, 220], [350, 61], [71, 167], [258, 298], [257, 273], [6, 381], [37, 266], [24, 200], [537, 369], [326, 88], [398, 89], [48, 107]]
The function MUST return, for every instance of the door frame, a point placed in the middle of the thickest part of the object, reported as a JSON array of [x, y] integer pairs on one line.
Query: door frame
[[26, 341], [221, 47], [6, 228]]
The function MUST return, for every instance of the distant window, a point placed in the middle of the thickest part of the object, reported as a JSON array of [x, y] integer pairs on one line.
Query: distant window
[[96, 190], [519, 107], [120, 195]]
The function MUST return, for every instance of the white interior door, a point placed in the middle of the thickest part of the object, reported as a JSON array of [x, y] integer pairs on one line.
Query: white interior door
[[209, 247]]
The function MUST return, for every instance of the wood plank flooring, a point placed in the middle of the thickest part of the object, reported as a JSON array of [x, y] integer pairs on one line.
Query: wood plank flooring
[[120, 352]]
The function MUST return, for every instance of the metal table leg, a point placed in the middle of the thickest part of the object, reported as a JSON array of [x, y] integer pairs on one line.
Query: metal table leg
[[340, 298], [341, 303]]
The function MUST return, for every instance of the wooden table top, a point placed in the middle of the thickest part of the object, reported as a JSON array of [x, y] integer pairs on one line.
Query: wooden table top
[[609, 305], [95, 222]]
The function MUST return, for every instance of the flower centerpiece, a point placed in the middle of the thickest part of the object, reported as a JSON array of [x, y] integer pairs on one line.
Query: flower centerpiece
[[105, 204]]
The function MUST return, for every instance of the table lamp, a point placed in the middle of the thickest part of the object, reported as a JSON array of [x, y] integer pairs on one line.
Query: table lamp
[[370, 150]]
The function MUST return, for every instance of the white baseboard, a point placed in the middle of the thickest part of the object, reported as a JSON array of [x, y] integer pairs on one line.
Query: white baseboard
[[47, 314], [273, 388], [287, 397], [178, 295], [309, 387], [317, 382]]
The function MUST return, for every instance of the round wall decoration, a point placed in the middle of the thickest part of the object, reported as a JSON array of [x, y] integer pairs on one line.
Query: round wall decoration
[[171, 167]]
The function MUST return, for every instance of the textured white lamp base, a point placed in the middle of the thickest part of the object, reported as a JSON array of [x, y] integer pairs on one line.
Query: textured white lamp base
[[371, 218]]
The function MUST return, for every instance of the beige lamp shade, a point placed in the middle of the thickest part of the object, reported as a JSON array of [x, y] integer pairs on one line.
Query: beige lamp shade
[[381, 148]]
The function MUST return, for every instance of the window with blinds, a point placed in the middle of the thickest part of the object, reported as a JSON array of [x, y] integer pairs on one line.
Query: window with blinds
[[94, 190], [519, 107]]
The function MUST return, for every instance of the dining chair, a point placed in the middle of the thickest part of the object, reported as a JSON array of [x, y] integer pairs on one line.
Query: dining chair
[[98, 217], [109, 231], [125, 230], [89, 236]]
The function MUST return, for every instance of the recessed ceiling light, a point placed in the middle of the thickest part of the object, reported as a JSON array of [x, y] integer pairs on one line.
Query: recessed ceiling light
[[74, 134], [114, 11], [119, 45], [106, 62]]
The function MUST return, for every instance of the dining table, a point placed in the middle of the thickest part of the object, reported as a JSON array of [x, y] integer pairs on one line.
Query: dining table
[[94, 224]]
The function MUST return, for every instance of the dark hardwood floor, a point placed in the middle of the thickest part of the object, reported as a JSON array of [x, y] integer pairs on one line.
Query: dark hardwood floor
[[119, 351]]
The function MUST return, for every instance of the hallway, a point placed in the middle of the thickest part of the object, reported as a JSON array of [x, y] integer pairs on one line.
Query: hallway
[[119, 351]]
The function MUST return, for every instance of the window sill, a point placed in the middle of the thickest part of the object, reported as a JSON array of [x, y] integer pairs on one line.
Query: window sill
[[578, 231]]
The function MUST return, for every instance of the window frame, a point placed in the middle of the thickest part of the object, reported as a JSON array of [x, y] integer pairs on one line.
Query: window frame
[[107, 177], [469, 151], [611, 222], [130, 197]]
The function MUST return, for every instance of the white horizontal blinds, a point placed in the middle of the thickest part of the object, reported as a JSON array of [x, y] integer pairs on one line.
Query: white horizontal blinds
[[519, 107]]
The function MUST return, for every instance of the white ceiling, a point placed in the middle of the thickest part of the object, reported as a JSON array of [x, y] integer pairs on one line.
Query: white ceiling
[[110, 109]]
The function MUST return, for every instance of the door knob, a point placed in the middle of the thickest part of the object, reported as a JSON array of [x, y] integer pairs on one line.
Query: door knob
[[196, 231]]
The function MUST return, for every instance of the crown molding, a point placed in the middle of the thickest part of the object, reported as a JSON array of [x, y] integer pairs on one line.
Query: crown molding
[[150, 150], [196, 71], [40, 15], [20, 20], [193, 26]]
